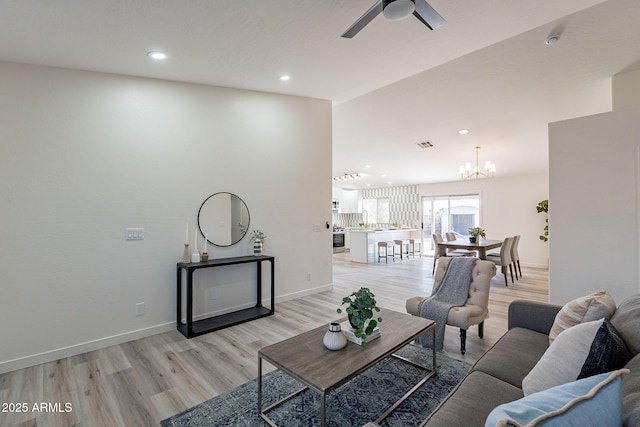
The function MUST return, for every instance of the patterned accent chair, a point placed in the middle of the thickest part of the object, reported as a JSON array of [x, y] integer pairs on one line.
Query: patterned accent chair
[[475, 310]]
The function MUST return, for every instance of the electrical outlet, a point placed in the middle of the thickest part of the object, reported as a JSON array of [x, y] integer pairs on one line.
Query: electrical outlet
[[212, 294], [140, 309], [134, 234], [308, 277]]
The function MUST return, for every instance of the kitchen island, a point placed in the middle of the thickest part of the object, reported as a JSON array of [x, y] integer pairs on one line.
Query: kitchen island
[[364, 242]]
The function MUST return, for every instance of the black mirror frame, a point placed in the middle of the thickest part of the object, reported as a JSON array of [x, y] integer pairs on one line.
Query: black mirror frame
[[244, 232]]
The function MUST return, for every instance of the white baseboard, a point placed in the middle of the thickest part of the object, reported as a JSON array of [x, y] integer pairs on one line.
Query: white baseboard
[[294, 295], [74, 350]]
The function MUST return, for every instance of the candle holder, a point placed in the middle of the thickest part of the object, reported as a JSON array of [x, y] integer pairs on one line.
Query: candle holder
[[186, 257], [204, 256]]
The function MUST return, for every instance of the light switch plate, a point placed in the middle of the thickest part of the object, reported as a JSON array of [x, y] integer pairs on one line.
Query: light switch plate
[[134, 234]]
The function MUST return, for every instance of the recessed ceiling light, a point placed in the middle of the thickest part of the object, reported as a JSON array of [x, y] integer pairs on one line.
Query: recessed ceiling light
[[552, 39], [157, 55], [463, 132], [367, 166], [285, 78]]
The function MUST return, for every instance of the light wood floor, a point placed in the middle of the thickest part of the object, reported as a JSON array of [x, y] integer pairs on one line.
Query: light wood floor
[[142, 382]]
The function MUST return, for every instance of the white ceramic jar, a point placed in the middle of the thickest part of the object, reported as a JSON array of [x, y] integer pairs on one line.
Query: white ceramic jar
[[334, 339]]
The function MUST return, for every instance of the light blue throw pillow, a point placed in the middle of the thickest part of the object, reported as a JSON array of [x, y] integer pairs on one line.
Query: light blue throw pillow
[[592, 401]]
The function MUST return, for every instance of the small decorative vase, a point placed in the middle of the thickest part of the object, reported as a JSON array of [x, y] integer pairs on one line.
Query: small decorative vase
[[195, 257], [473, 239], [334, 339], [257, 247], [204, 256], [186, 256]]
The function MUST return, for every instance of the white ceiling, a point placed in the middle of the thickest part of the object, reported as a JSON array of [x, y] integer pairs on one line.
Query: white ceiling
[[393, 85]]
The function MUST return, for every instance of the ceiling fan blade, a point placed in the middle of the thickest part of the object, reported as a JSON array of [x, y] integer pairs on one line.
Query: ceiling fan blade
[[374, 11], [427, 15]]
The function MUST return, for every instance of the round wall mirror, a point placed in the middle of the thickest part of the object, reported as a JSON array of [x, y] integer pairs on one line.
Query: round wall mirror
[[223, 219]]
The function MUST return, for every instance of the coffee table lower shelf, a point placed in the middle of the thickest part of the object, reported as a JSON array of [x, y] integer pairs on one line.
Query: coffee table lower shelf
[[263, 411]]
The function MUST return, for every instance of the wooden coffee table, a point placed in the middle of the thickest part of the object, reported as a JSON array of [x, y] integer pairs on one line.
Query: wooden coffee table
[[305, 358]]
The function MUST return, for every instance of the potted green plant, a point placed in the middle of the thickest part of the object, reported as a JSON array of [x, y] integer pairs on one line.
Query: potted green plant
[[474, 232], [543, 207], [361, 309]]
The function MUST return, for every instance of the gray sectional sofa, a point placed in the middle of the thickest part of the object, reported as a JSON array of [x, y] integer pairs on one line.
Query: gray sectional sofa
[[497, 377]]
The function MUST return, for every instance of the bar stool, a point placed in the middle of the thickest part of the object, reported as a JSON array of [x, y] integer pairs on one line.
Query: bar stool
[[387, 246], [402, 243], [413, 243]]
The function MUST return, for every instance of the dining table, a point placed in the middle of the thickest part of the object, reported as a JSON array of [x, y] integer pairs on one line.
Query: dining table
[[481, 245]]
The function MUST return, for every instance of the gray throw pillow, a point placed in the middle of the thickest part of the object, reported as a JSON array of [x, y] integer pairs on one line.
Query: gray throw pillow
[[631, 393], [581, 351], [626, 321]]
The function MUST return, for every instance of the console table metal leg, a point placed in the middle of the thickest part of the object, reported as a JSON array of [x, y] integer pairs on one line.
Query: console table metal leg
[[273, 287], [179, 296], [259, 280], [189, 303]]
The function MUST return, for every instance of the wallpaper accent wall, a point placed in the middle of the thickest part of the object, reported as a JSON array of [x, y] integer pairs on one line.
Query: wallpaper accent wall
[[404, 203]]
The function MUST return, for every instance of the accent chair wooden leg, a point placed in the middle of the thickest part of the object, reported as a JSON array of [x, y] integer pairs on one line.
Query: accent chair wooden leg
[[504, 273], [511, 271], [463, 341], [481, 329]]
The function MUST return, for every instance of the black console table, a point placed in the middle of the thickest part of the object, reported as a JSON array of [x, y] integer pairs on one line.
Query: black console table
[[191, 328]]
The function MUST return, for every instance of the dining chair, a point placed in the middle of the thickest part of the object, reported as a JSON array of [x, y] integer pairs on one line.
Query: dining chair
[[503, 259], [437, 238], [515, 257], [457, 252]]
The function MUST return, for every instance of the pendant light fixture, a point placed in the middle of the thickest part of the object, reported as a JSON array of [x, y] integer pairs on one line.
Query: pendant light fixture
[[466, 172]]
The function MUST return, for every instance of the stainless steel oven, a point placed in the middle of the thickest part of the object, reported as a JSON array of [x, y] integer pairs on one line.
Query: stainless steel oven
[[338, 241]]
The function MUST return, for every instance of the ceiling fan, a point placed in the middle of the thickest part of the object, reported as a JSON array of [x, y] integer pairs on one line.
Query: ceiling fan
[[395, 10]]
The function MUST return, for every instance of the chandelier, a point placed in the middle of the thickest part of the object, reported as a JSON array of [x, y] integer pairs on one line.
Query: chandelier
[[467, 173]]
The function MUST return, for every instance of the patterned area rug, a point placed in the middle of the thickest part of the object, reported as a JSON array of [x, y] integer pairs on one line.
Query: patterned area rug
[[363, 399]]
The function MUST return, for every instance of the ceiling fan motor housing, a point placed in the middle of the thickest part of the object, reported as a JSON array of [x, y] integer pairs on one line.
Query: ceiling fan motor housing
[[397, 9]]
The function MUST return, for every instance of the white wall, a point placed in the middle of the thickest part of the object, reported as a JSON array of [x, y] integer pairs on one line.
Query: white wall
[[625, 90], [593, 205], [85, 155], [507, 208]]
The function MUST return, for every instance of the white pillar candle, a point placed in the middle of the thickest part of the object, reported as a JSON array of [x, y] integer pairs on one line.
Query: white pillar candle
[[195, 241], [186, 236], [206, 240]]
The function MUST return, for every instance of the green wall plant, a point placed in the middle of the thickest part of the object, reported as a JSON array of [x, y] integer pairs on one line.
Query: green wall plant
[[543, 206]]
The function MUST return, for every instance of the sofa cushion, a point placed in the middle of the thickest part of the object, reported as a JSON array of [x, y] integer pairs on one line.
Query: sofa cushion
[[592, 401], [500, 362], [472, 400], [581, 351], [626, 322], [584, 309], [631, 393]]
